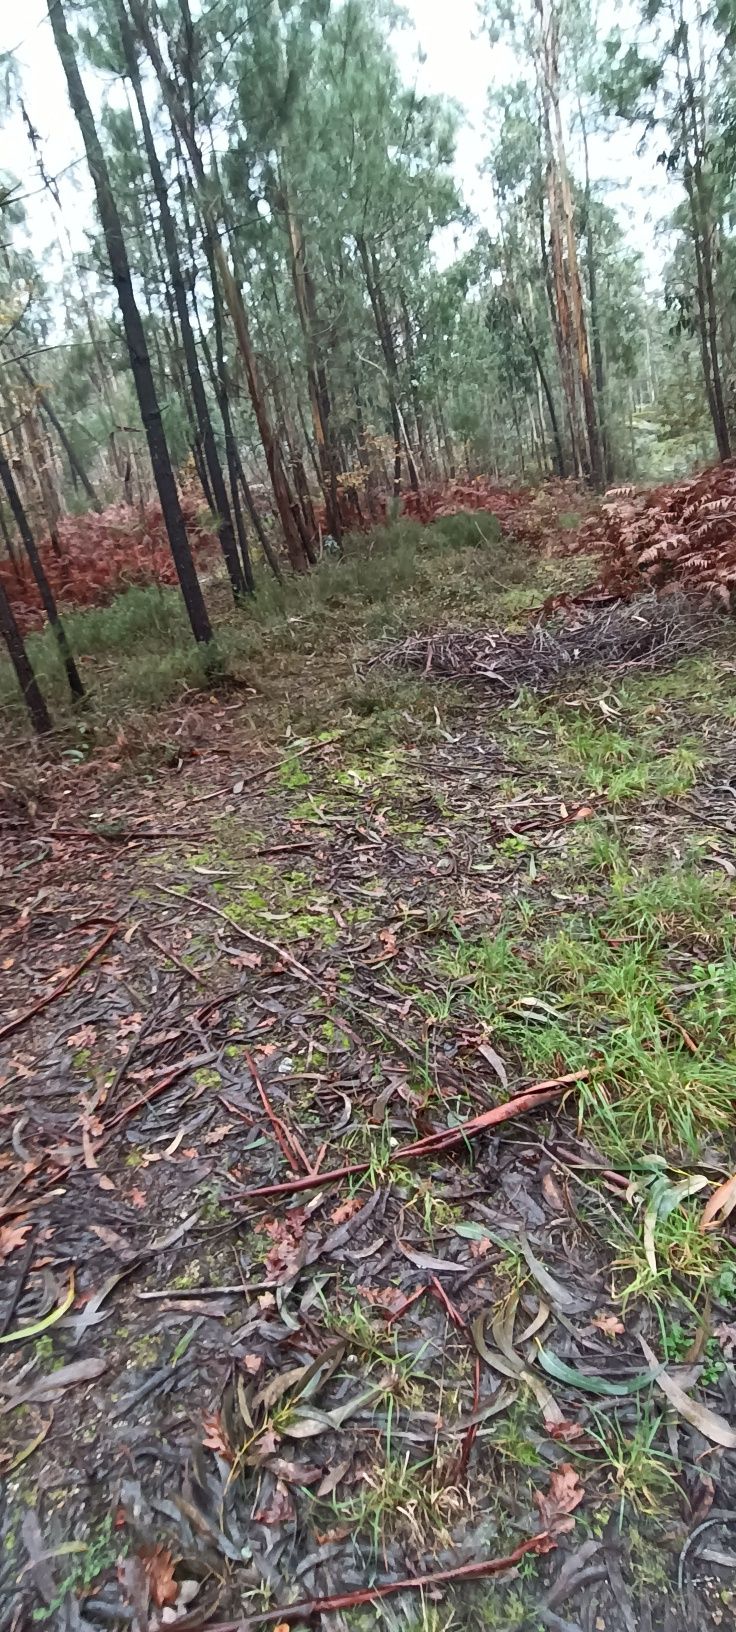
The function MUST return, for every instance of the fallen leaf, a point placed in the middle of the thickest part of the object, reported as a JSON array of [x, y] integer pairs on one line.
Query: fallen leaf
[[495, 1061], [159, 1567], [131, 1022], [12, 1236], [557, 1505], [282, 1260], [279, 1509], [719, 1206], [385, 1297], [84, 1038], [708, 1422], [566, 1433], [104, 1183], [553, 1195], [46, 1388], [217, 1134], [215, 1438], [726, 1335], [246, 960], [346, 1209], [252, 1363], [610, 1325]]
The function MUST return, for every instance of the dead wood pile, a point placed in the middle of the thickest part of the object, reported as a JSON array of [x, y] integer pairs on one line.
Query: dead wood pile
[[642, 635]]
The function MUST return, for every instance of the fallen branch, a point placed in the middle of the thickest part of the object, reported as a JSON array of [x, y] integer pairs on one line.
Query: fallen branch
[[43, 1002], [172, 1076], [310, 1607], [270, 769], [287, 1141], [446, 1139]]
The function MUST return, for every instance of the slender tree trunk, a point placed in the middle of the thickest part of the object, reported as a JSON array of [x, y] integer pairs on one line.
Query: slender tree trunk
[[201, 409], [595, 325], [562, 217], [695, 148], [75, 463], [447, 442], [50, 504], [383, 330], [134, 332], [534, 352], [413, 381], [44, 588], [233, 296], [10, 547], [319, 396], [33, 697]]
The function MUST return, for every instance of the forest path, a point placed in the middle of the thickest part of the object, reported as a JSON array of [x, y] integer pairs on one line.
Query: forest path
[[263, 969]]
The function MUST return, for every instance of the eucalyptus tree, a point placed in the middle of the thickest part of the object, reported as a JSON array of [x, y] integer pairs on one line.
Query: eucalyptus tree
[[140, 361]]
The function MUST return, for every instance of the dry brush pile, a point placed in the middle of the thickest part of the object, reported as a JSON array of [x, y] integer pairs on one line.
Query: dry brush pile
[[615, 638]]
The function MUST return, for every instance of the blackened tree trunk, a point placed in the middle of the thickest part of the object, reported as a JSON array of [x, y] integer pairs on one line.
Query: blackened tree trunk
[[199, 398], [44, 588], [40, 718], [134, 332], [10, 547]]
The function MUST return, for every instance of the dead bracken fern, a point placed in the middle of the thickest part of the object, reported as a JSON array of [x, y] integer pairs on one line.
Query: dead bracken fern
[[683, 535], [644, 635]]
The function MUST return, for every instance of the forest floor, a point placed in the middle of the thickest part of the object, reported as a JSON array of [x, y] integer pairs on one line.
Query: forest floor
[[298, 927]]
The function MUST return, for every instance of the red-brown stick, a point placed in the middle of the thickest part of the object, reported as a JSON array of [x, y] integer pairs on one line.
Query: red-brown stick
[[444, 1140], [352, 1600], [43, 1002], [283, 1136]]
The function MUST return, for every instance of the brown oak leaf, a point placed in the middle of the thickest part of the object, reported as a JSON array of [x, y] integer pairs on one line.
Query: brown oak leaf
[[159, 1567], [557, 1505]]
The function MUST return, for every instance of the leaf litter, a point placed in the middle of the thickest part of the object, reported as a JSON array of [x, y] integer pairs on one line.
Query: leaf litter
[[395, 1287]]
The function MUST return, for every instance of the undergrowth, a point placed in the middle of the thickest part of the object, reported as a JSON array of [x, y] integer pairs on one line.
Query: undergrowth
[[137, 652]]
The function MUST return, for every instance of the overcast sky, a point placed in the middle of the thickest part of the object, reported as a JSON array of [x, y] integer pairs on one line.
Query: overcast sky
[[459, 60]]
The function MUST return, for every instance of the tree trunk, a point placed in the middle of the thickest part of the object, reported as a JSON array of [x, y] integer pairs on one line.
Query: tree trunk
[[10, 547], [413, 382], [134, 332], [560, 465], [383, 330], [75, 463], [595, 326], [44, 588], [319, 396], [693, 114], [33, 697], [562, 190], [233, 297], [50, 503], [168, 230]]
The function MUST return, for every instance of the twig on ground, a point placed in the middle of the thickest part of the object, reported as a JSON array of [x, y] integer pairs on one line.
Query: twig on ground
[[20, 1281], [43, 1002], [269, 770], [201, 980], [446, 1139], [287, 1141], [307, 1608]]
